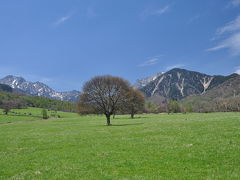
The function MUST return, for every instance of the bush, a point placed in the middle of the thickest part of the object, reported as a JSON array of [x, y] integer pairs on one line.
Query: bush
[[173, 107], [151, 107], [44, 114], [189, 108], [6, 110]]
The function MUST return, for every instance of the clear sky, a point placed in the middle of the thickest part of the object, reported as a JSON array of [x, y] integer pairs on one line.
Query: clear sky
[[64, 43]]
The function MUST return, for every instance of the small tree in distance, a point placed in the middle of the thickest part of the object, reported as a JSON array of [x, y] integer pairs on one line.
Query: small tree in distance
[[103, 94], [135, 102]]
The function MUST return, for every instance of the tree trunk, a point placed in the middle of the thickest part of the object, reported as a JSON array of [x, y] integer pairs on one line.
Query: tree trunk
[[132, 112], [108, 119], [132, 115]]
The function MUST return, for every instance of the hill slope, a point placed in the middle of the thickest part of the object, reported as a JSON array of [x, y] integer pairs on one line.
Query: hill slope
[[224, 97], [16, 100], [5, 88]]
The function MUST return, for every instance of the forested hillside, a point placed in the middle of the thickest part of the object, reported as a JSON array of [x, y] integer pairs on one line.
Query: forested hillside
[[224, 97], [13, 100]]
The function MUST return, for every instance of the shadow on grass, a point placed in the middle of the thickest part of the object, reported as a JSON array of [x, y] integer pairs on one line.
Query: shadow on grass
[[20, 115], [133, 124], [3, 123], [130, 117]]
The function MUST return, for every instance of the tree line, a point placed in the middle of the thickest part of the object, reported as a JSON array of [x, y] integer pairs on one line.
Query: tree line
[[14, 101]]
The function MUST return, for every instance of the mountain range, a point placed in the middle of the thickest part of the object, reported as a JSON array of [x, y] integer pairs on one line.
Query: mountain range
[[19, 84], [179, 83], [175, 84]]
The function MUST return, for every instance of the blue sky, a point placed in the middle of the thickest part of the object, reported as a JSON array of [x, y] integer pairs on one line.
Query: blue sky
[[64, 43]]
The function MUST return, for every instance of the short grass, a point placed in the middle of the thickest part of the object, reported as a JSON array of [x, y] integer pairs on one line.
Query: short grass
[[30, 114], [179, 146]]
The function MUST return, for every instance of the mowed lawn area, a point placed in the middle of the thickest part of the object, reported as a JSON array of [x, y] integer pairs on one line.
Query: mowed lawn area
[[160, 146]]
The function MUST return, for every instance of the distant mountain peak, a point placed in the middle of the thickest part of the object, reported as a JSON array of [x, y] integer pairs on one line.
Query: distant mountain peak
[[13, 81], [14, 77], [38, 88], [144, 81]]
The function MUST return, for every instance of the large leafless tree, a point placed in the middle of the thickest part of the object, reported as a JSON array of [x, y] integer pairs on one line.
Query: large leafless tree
[[104, 94]]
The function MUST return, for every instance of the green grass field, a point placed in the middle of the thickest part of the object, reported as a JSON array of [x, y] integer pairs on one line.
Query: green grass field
[[179, 146]]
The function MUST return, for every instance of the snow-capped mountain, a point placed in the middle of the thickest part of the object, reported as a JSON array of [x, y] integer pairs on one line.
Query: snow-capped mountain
[[179, 83], [143, 82], [38, 89]]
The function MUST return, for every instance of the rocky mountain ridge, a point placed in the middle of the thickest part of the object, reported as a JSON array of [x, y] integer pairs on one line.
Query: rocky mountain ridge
[[38, 89], [178, 83]]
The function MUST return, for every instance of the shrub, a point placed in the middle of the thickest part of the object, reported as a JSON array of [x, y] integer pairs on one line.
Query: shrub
[[173, 107], [6, 110], [44, 114]]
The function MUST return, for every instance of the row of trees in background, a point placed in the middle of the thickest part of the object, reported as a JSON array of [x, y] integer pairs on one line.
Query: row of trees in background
[[169, 107], [204, 105], [14, 101], [231, 104], [110, 95]]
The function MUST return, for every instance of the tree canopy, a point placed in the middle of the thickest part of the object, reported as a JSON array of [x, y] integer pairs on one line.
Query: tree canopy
[[103, 94], [135, 102]]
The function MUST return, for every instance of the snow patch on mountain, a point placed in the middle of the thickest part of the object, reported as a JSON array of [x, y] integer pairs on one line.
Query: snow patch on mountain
[[145, 81], [206, 82], [156, 87]]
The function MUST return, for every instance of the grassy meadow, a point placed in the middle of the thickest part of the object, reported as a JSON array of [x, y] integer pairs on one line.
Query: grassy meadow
[[153, 146]]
